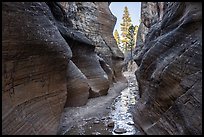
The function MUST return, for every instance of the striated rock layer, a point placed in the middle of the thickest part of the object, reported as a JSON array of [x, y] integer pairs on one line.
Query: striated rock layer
[[97, 22], [35, 58], [170, 69], [77, 86], [54, 57]]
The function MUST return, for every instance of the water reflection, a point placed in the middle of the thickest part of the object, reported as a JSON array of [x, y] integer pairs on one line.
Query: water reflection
[[123, 119], [118, 120]]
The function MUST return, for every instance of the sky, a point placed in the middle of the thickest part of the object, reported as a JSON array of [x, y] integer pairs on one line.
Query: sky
[[117, 9]]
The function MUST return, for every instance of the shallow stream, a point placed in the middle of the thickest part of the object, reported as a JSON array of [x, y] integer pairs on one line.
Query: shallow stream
[[119, 120]]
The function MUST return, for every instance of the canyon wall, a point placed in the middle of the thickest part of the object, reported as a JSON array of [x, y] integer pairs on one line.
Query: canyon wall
[[169, 56], [54, 55]]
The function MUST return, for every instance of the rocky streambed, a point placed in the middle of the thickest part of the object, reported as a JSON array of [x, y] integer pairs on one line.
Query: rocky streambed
[[106, 115], [120, 113]]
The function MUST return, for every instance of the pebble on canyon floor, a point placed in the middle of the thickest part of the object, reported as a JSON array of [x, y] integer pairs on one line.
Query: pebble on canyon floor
[[120, 130], [107, 107], [96, 121], [103, 118], [110, 123], [95, 133], [130, 123]]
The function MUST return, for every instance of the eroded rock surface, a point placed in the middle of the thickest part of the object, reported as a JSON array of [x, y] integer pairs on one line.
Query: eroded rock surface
[[170, 70], [54, 57], [35, 58], [77, 87], [97, 22]]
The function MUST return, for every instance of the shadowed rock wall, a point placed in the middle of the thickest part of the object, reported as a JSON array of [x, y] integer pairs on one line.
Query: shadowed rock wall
[[170, 69], [97, 22], [51, 60]]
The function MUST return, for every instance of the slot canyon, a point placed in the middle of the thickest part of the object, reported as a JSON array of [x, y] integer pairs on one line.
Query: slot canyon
[[62, 71]]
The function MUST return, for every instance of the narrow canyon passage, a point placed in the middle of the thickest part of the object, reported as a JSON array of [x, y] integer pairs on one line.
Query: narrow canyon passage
[[63, 71], [105, 115]]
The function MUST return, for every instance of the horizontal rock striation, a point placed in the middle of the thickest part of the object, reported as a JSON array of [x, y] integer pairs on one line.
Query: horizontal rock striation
[[51, 60], [88, 62], [151, 12], [170, 70], [96, 22], [77, 86], [35, 58]]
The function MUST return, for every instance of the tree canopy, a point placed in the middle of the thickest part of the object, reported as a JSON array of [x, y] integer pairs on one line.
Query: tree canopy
[[126, 41], [124, 28], [117, 36]]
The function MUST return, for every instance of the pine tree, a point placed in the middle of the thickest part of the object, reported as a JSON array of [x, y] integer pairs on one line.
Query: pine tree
[[131, 42], [116, 36], [124, 28], [118, 40], [131, 37], [135, 33]]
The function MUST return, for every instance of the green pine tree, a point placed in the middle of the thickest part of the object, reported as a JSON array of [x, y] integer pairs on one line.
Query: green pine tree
[[135, 33], [131, 42], [118, 40], [116, 36], [131, 37], [124, 28]]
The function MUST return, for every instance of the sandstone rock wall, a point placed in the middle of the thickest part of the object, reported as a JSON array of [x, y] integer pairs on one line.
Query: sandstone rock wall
[[170, 70], [97, 22], [54, 56], [151, 12]]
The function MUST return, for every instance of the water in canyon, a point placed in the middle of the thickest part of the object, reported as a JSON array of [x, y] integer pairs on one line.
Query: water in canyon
[[118, 120]]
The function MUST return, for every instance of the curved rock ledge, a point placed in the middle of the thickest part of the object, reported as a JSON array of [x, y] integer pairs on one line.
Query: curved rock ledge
[[170, 71], [50, 62]]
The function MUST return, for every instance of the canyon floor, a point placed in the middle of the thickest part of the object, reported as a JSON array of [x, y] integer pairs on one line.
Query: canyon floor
[[105, 115]]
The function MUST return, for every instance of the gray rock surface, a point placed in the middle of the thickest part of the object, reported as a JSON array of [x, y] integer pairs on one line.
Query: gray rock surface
[[34, 61], [120, 130], [53, 56], [170, 71], [96, 22], [77, 85], [110, 123]]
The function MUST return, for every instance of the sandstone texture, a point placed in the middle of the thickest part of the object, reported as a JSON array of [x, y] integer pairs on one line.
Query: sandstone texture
[[170, 69], [96, 22], [54, 55]]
